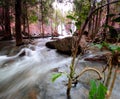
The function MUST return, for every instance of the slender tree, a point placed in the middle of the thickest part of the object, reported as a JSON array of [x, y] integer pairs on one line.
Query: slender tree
[[2, 15], [6, 20], [18, 22]]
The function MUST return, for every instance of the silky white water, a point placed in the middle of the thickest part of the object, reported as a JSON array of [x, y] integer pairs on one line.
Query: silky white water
[[17, 71], [28, 68]]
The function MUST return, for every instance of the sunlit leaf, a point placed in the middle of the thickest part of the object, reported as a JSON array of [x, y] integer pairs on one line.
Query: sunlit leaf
[[97, 90], [56, 76], [101, 91], [93, 89]]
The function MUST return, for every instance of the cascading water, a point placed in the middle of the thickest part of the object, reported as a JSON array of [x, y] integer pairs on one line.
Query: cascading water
[[73, 27], [21, 72], [62, 30]]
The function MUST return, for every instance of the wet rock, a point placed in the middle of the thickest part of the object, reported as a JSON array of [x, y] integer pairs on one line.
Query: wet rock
[[51, 44], [63, 46], [97, 58], [22, 54]]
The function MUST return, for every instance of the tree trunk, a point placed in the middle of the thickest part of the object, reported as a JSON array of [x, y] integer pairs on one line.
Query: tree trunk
[[18, 22], [42, 29], [24, 18], [7, 21], [2, 18], [106, 21]]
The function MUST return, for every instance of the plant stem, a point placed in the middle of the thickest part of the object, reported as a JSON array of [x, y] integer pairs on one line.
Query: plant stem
[[109, 73], [113, 81], [69, 87], [72, 70], [88, 69], [81, 31]]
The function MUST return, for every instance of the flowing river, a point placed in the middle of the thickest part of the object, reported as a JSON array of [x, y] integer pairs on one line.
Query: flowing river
[[26, 72]]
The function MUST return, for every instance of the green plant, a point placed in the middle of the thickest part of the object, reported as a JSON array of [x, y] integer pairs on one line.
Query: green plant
[[72, 79], [115, 18], [76, 19], [97, 90], [110, 47], [56, 76], [33, 18], [113, 61]]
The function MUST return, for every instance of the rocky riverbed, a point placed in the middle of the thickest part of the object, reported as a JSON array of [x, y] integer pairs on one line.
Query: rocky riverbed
[[26, 72]]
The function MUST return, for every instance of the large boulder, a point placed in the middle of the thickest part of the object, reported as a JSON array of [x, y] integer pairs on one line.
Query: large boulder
[[63, 45]]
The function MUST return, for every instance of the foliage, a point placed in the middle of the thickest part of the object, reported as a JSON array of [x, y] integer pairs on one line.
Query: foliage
[[116, 19], [81, 8], [1, 3], [97, 90], [101, 45], [112, 30], [46, 9], [111, 47], [30, 2], [114, 48], [33, 18], [43, 6], [75, 18], [56, 76], [58, 17]]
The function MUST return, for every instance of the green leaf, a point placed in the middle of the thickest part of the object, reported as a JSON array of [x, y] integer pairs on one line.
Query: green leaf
[[93, 89], [114, 47], [105, 44], [101, 91], [78, 24], [56, 76], [116, 19], [33, 18], [97, 90], [99, 45], [118, 49], [70, 17]]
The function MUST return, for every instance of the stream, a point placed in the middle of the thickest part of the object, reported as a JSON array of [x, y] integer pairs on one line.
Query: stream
[[26, 72]]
